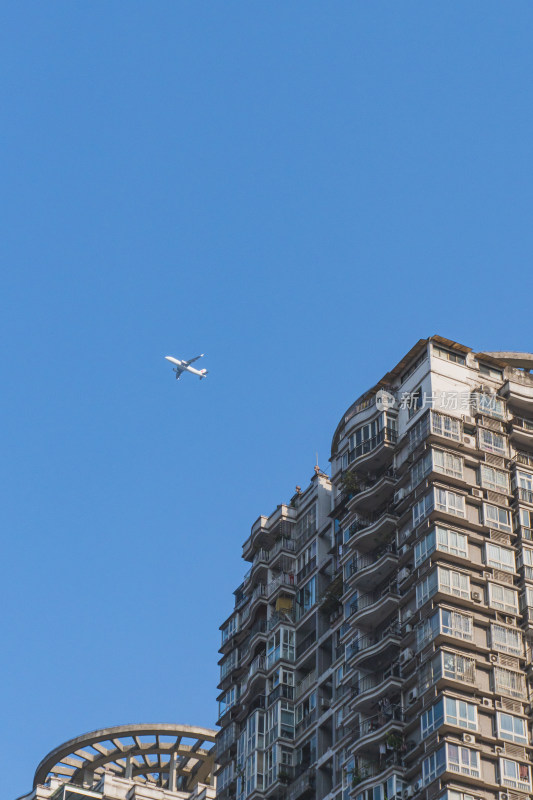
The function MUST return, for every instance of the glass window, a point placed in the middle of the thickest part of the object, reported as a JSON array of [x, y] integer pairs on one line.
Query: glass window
[[456, 624], [443, 425], [492, 442], [506, 640], [511, 728], [497, 517], [460, 713], [422, 508], [449, 502], [453, 582], [515, 775], [432, 718], [491, 372], [458, 667], [503, 598], [496, 480], [449, 355], [509, 682], [463, 760], [499, 557], [489, 404], [448, 463], [420, 470]]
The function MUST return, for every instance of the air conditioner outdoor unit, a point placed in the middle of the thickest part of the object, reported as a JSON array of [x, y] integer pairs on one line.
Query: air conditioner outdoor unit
[[418, 786], [399, 495], [493, 658], [408, 614], [498, 750], [468, 738], [486, 701], [406, 655], [477, 493], [403, 574], [503, 796], [509, 620], [411, 697], [409, 792], [476, 597], [469, 441], [468, 420], [325, 705], [408, 628], [403, 549]]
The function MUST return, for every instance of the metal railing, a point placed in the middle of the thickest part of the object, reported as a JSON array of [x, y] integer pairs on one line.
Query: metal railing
[[305, 683]]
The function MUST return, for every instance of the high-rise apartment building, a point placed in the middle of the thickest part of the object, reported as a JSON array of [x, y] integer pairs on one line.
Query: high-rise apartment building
[[380, 644]]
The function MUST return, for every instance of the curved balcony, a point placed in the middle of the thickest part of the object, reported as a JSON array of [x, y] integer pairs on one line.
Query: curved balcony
[[370, 689], [365, 533], [379, 489], [522, 431], [257, 669], [375, 649], [375, 452], [375, 607], [368, 569], [371, 733]]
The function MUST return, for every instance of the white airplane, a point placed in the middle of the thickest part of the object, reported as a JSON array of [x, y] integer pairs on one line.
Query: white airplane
[[185, 366]]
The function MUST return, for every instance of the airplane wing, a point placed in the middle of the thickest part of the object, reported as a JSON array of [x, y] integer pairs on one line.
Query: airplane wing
[[193, 359], [179, 373]]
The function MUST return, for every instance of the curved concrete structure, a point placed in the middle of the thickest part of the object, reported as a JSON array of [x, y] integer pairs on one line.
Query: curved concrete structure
[[176, 758]]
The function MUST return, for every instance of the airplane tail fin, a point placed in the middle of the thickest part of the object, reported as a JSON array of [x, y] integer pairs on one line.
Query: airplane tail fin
[[204, 373]]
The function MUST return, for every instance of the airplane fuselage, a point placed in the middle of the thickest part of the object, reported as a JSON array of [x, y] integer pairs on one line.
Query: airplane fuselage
[[182, 365]]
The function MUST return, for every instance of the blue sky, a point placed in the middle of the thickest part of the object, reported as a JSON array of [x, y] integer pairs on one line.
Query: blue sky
[[300, 190]]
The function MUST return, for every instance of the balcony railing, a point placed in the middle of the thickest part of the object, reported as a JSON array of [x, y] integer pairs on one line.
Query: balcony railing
[[278, 617], [369, 599], [281, 580], [305, 644], [386, 435], [227, 737], [305, 683], [281, 690], [365, 560], [524, 458], [369, 640], [525, 494], [525, 424]]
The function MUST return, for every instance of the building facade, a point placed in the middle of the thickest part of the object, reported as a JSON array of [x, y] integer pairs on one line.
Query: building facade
[[130, 762], [380, 647]]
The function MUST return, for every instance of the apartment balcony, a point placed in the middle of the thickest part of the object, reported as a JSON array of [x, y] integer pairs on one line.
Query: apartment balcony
[[383, 728], [280, 618], [257, 668], [305, 723], [519, 390], [372, 688], [375, 649], [365, 533], [305, 684], [367, 771], [522, 431], [523, 495], [374, 492], [284, 581], [267, 530], [283, 691], [368, 569], [226, 739], [374, 453], [303, 785], [375, 607], [258, 594], [524, 458]]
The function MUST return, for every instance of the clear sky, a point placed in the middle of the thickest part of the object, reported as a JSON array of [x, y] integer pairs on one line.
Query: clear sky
[[301, 190]]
